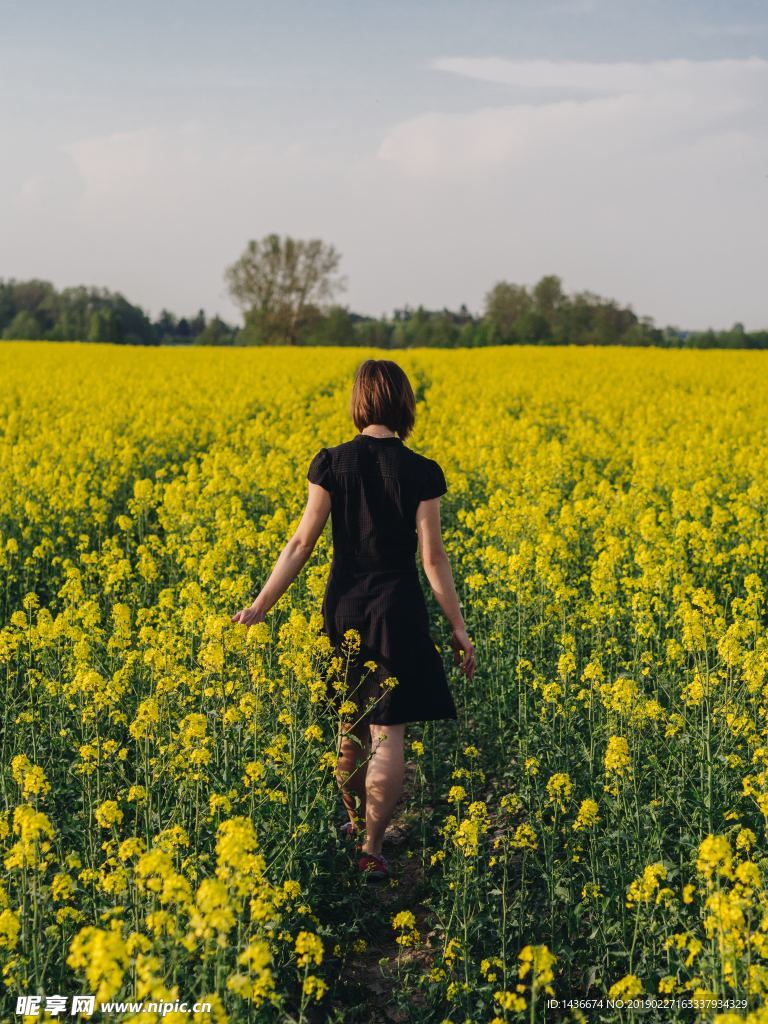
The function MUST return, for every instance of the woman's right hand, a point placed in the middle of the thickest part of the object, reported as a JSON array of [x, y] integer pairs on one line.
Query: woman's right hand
[[249, 616], [463, 651]]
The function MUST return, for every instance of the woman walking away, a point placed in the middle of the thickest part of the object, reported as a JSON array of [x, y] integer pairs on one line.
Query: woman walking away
[[384, 502]]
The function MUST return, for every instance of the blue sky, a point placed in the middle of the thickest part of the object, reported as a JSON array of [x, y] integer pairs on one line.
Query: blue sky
[[441, 146]]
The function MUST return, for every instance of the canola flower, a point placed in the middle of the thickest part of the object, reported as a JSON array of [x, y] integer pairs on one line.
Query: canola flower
[[404, 923], [537, 961], [618, 764], [588, 816], [625, 988], [559, 790], [169, 779]]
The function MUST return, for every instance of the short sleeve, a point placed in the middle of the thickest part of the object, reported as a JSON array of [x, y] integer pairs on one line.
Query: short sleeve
[[433, 482], [319, 471]]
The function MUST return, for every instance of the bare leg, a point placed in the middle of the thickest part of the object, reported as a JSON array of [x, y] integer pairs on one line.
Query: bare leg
[[351, 767], [384, 782]]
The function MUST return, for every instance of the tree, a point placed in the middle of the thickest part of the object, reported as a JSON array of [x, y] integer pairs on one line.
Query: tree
[[548, 294], [215, 332], [100, 327], [532, 328], [197, 323], [335, 328], [467, 335], [23, 327], [282, 284], [165, 325], [505, 303]]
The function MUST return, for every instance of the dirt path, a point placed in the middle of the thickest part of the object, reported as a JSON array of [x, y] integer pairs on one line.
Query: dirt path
[[373, 974]]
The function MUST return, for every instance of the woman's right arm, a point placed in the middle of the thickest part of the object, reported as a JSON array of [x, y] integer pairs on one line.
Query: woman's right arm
[[292, 557], [437, 568]]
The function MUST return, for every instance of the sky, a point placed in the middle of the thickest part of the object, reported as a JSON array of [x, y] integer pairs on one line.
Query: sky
[[440, 145]]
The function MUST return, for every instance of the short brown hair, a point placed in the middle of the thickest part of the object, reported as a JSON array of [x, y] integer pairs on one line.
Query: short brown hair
[[382, 393]]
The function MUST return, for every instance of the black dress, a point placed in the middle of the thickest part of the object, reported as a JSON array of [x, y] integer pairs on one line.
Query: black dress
[[376, 484]]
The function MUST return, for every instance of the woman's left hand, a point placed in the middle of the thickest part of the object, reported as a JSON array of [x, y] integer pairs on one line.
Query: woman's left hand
[[249, 616]]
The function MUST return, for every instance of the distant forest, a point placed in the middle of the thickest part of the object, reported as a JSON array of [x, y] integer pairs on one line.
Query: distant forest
[[513, 314]]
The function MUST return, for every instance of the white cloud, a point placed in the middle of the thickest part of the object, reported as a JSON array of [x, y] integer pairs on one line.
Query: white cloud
[[179, 165], [640, 180], [617, 76], [634, 109]]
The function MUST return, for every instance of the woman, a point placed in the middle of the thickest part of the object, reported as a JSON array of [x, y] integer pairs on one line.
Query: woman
[[384, 502]]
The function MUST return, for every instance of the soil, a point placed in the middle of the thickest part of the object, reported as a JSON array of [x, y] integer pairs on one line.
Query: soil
[[370, 979]]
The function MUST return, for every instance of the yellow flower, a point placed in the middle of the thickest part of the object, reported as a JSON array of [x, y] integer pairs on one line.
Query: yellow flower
[[404, 919], [511, 802], [31, 778], [103, 957], [588, 815], [509, 1001], [62, 887], [617, 763], [626, 988], [559, 789], [488, 968], [352, 640], [525, 837], [309, 947], [258, 984], [314, 986], [617, 755], [10, 927], [405, 923], [644, 888], [746, 839], [539, 960], [108, 814], [715, 857], [31, 849]]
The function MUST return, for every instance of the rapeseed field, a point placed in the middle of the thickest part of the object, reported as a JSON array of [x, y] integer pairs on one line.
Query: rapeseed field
[[593, 828]]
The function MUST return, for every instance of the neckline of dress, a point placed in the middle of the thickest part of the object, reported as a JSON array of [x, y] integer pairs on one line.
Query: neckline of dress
[[394, 437]]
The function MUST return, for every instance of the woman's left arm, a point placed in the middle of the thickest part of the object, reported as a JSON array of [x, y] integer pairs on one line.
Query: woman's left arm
[[292, 557]]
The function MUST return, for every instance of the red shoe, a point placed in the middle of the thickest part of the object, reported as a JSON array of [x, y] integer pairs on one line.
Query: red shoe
[[375, 867]]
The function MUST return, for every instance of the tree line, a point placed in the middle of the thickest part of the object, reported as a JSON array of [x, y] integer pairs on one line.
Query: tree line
[[35, 310], [286, 289]]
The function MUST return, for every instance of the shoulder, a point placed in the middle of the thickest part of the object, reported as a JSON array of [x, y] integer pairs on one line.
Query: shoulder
[[344, 456], [432, 482], [334, 452], [421, 462], [330, 463], [320, 469]]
